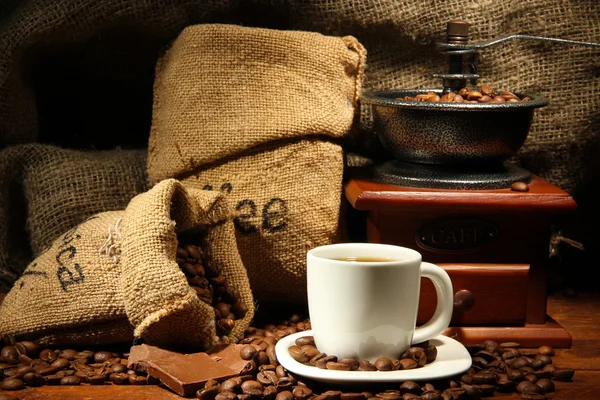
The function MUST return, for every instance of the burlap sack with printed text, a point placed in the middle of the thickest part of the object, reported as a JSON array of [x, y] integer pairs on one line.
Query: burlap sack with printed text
[[258, 114], [115, 276], [70, 293]]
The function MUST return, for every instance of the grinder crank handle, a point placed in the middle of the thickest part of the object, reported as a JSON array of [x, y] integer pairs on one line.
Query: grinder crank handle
[[465, 48]]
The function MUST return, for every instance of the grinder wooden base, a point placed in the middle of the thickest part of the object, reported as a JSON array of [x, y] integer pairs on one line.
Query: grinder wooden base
[[493, 243], [550, 333]]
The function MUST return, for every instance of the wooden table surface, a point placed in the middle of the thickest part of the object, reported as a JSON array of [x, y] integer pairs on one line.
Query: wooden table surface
[[580, 315]]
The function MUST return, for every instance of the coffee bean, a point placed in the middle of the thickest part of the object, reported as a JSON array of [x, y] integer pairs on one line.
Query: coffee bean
[[533, 396], [85, 355], [285, 383], [431, 395], [226, 395], [510, 344], [302, 393], [352, 396], [27, 348], [383, 364], [310, 350], [68, 354], [337, 366], [284, 395], [48, 355], [305, 340], [250, 384], [485, 378], [119, 378], [9, 353], [60, 363], [12, 384], [267, 378], [137, 380], [352, 362], [50, 370], [70, 381], [194, 252], [223, 308], [431, 353], [505, 385], [410, 387], [225, 325], [53, 379], [247, 352], [563, 374], [367, 366], [298, 355], [207, 393], [546, 384], [102, 356], [408, 363], [519, 187], [389, 395], [33, 379], [96, 379]]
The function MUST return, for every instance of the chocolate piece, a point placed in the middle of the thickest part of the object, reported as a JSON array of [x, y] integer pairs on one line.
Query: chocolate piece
[[187, 373], [139, 356], [228, 355]]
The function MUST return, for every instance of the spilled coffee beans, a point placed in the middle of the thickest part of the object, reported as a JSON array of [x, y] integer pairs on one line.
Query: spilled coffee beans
[[417, 356], [211, 287], [24, 364], [497, 368]]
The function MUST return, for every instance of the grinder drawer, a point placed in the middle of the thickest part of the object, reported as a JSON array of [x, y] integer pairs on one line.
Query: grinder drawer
[[492, 294]]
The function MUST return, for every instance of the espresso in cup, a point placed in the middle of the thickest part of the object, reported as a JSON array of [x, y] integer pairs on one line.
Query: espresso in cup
[[363, 299], [363, 259]]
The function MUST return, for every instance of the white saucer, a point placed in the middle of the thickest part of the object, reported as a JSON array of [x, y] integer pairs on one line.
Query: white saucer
[[452, 359]]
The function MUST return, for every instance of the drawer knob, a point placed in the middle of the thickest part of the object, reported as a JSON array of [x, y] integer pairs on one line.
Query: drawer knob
[[463, 300]]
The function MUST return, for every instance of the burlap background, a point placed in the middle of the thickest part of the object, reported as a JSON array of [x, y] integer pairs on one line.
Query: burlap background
[[46, 190], [65, 58], [160, 304]]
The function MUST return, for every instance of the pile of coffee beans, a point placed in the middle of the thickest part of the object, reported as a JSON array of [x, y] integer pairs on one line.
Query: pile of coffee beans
[[496, 368], [212, 287], [25, 364], [465, 95], [417, 356]]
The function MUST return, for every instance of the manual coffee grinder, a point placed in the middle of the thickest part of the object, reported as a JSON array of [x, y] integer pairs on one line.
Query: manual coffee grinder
[[452, 194]]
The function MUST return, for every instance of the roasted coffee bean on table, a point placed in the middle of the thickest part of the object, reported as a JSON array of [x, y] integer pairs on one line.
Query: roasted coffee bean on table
[[498, 368], [465, 95]]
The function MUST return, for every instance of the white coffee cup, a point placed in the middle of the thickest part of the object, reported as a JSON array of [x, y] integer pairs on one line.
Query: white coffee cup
[[367, 309]]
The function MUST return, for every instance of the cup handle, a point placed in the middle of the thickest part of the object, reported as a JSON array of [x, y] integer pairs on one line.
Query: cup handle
[[445, 303]]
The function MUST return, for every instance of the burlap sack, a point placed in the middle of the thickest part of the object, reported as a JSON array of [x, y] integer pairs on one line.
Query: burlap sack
[[70, 293], [115, 276], [256, 113], [46, 190], [160, 304]]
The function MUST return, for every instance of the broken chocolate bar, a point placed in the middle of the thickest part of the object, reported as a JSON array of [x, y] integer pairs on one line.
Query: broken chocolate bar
[[187, 373]]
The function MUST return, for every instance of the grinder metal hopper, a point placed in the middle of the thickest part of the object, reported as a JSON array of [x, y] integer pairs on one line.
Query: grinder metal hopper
[[450, 145]]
